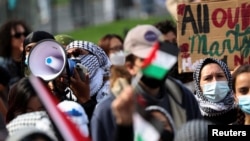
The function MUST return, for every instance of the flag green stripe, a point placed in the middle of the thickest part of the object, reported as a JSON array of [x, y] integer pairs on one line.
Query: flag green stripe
[[139, 137], [155, 71]]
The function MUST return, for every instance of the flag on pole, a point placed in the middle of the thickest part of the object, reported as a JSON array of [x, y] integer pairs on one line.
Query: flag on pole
[[145, 127], [143, 130], [161, 59], [67, 129]]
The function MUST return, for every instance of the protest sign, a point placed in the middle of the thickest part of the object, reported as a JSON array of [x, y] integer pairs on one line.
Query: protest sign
[[219, 29]]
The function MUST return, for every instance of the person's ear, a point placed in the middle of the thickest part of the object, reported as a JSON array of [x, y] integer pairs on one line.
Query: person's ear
[[130, 67]]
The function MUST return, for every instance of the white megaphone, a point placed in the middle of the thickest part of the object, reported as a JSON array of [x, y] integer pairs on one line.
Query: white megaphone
[[47, 59]]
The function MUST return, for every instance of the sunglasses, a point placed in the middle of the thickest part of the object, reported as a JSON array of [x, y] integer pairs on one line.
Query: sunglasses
[[19, 34], [77, 52]]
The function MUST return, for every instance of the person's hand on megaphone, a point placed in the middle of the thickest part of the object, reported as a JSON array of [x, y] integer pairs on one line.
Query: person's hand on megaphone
[[79, 87]]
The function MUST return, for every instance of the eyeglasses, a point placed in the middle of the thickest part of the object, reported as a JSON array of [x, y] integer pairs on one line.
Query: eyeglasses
[[19, 34]]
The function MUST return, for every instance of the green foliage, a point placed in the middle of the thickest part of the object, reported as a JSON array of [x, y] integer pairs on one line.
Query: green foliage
[[61, 2], [95, 32]]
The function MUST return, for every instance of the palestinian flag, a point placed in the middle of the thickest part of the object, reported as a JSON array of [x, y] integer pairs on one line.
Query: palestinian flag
[[161, 59], [143, 130], [146, 127]]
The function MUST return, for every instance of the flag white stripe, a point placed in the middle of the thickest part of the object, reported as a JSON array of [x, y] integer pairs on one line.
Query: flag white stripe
[[144, 129], [164, 60]]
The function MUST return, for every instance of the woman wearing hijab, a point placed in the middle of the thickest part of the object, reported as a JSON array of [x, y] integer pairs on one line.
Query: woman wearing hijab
[[213, 85]]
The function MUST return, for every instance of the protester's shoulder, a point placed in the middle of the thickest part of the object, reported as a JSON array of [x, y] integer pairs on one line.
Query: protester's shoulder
[[176, 82], [180, 85], [104, 105]]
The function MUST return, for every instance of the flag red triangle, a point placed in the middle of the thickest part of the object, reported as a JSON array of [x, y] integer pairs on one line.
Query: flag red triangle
[[152, 55], [67, 129]]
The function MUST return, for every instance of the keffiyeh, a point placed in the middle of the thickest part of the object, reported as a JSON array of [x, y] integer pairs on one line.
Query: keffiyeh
[[39, 120], [210, 108], [97, 63]]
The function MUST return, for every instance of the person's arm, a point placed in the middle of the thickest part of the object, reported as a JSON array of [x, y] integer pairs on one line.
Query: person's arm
[[81, 90], [123, 108], [80, 87], [89, 107], [102, 122], [124, 133]]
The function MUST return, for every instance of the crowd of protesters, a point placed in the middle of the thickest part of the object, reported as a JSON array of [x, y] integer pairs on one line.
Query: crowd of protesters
[[100, 101]]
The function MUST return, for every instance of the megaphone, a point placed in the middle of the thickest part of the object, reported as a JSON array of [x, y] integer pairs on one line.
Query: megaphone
[[82, 70], [47, 59]]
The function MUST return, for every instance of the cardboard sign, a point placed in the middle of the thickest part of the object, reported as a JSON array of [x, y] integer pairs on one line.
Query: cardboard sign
[[219, 29]]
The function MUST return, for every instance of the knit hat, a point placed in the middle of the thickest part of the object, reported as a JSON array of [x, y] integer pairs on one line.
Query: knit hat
[[39, 120], [207, 107], [194, 130], [37, 36], [140, 39], [77, 115], [64, 39]]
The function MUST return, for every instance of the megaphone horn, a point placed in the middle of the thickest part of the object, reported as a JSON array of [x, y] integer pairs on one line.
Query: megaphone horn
[[47, 59], [54, 63]]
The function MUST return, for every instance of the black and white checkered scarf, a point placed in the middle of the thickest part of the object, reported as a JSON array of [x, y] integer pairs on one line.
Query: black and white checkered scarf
[[209, 108], [98, 65], [101, 56], [38, 119]]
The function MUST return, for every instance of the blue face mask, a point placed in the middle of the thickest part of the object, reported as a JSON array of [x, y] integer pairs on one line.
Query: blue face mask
[[216, 91], [244, 103]]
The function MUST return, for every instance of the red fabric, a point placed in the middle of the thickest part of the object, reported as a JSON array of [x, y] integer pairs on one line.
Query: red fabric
[[66, 128]]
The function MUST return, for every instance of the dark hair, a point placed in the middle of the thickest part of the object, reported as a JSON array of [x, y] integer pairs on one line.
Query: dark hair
[[237, 72], [37, 36], [5, 35], [37, 136], [131, 58], [5, 76], [33, 37], [241, 69], [166, 26], [19, 96], [183, 77], [104, 42]]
